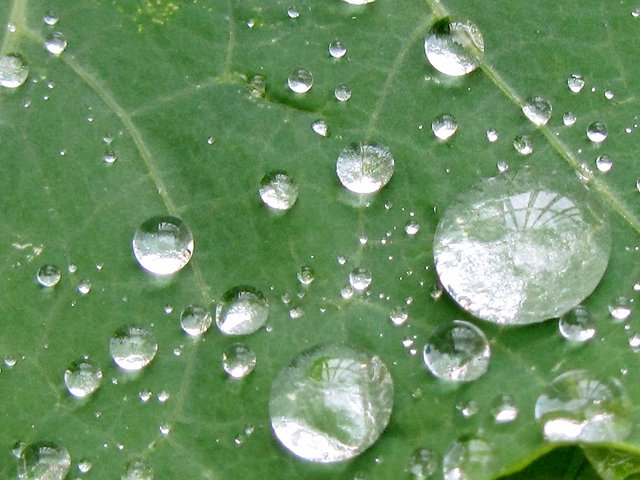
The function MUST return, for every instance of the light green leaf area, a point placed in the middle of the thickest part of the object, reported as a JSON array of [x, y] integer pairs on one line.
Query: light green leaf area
[[163, 77]]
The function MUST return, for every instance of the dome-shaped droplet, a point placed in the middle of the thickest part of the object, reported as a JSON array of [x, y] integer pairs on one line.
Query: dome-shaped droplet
[[523, 145], [238, 361], [242, 311], [278, 190], [569, 119], [504, 409], [444, 126], [458, 352], [48, 275], [493, 135], [137, 469], [423, 464], [13, 71], [342, 93], [359, 2], [43, 461], [604, 163], [82, 378], [337, 49], [133, 348], [306, 275], [293, 12], [56, 43], [620, 309], [163, 245], [469, 458], [50, 18], [575, 82], [300, 80], [109, 157], [399, 316], [577, 325], [454, 48], [597, 132], [321, 127], [195, 320], [360, 278], [331, 403], [365, 167], [579, 406], [537, 110], [522, 247]]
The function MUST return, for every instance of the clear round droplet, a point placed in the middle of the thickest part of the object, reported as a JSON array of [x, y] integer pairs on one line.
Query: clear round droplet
[[13, 71], [84, 466], [569, 119], [575, 82], [458, 352], [278, 190], [620, 309], [293, 12], [43, 461], [48, 276], [604, 163], [577, 325], [492, 135], [342, 93], [50, 18], [133, 348], [399, 316], [423, 464], [195, 320], [454, 48], [502, 166], [579, 406], [444, 126], [365, 167], [331, 403], [137, 469], [242, 311], [257, 89], [306, 275], [300, 80], [469, 458], [337, 49], [412, 228], [238, 361], [82, 378], [523, 145], [109, 157], [597, 132], [359, 2], [56, 43], [537, 110], [360, 279], [504, 409], [163, 245], [321, 127], [522, 247], [84, 287]]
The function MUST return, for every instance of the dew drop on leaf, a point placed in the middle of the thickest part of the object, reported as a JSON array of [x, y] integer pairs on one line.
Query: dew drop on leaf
[[195, 320], [360, 279], [300, 80], [13, 71], [444, 126], [537, 110], [577, 325], [342, 93], [84, 466], [242, 311], [365, 167], [50, 18], [133, 348], [412, 228], [423, 464], [43, 461], [575, 82], [454, 48], [492, 135], [359, 2], [137, 469], [504, 409], [163, 245], [109, 157], [84, 287], [569, 119], [523, 145], [320, 127], [399, 316], [502, 166], [337, 49], [604, 163], [293, 12], [82, 378], [468, 458], [278, 190], [48, 276], [238, 361], [56, 43], [620, 309], [597, 132]]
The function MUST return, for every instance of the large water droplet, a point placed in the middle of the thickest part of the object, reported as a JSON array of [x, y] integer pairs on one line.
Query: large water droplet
[[238, 361], [300, 80], [43, 461], [337, 49], [538, 110], [522, 247], [597, 132], [581, 407], [469, 458], [458, 352], [577, 325], [331, 403], [242, 311], [56, 43], [604, 163], [195, 320], [365, 167], [82, 378], [423, 464], [444, 126], [133, 348], [137, 469], [13, 71], [48, 275], [278, 190], [454, 48], [163, 245], [575, 82], [360, 279]]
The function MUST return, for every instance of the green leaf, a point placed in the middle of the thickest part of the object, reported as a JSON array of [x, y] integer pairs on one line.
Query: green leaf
[[170, 83]]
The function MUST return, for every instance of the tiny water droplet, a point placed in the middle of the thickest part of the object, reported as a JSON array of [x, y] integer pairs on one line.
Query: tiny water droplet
[[597, 132], [504, 409], [342, 260], [163, 396], [84, 466], [293, 12], [575, 82], [569, 119], [321, 127], [145, 396], [346, 292], [468, 458], [257, 89], [604, 163], [109, 157], [43, 461], [492, 135], [300, 80], [365, 167], [360, 279], [82, 378], [620, 309], [56, 43], [399, 316], [436, 291], [195, 320], [577, 325], [537, 110], [133, 348], [342, 93], [48, 276], [163, 245], [242, 311], [635, 12], [306, 275], [523, 144], [296, 313], [359, 2], [444, 126], [13, 71], [84, 287], [238, 361], [137, 469], [337, 49], [10, 361], [423, 464], [454, 48], [50, 18], [278, 190], [468, 409], [412, 228], [502, 166], [634, 342]]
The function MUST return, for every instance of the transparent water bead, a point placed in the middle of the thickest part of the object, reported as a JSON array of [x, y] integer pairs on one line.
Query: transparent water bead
[[163, 245], [597, 132], [137, 469], [278, 190], [242, 311], [56, 43], [50, 18], [469, 458], [569, 119], [444, 126], [458, 352], [306, 275], [454, 48], [577, 325], [604, 163], [133, 348], [492, 135], [48, 276], [82, 378], [510, 249], [337, 49], [360, 279], [399, 316], [300, 80], [620, 309], [365, 167], [293, 12], [504, 409], [342, 93], [537, 110], [84, 466], [321, 127], [195, 320], [423, 464], [579, 406], [523, 145], [109, 157], [359, 2], [84, 287], [238, 361], [43, 461], [13, 71], [575, 82]]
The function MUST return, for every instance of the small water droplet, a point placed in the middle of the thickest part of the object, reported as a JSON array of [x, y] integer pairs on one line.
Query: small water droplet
[[399, 316], [257, 89], [56, 43], [365, 167], [43, 461], [48, 276], [468, 458], [11, 27], [163, 245], [337, 49], [575, 82], [468, 409], [145, 396], [13, 71], [620, 309], [242, 311], [84, 287], [10, 361], [342, 93], [300, 80], [342, 260], [634, 342], [346, 292], [133, 348], [577, 325], [360, 279], [238, 361], [635, 12], [537, 110], [597, 132], [293, 12], [609, 94], [321, 127], [295, 313], [278, 190], [523, 144], [604, 163], [412, 228], [502, 166], [109, 157], [492, 135], [444, 126], [454, 48], [423, 464], [306, 275], [436, 291], [504, 409], [195, 320], [84, 466], [82, 378], [163, 396], [50, 18], [137, 469], [569, 119]]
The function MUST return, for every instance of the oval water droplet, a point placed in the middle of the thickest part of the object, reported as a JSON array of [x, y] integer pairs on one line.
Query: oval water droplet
[[575, 82], [454, 48], [293, 12], [537, 110], [56, 43], [504, 409], [597, 132], [13, 71], [604, 163], [163, 245], [569, 119], [137, 469], [242, 311], [342, 93], [360, 279], [444, 126], [365, 167], [337, 49], [133, 348], [399, 316], [321, 127], [423, 464], [523, 145], [109, 157], [492, 135], [82, 378], [278, 190], [43, 461], [300, 80], [306, 275], [84, 466], [238, 361], [359, 2], [469, 458], [620, 309], [84, 287], [577, 325], [195, 320], [50, 18], [412, 228], [579, 406], [48, 276], [331, 403]]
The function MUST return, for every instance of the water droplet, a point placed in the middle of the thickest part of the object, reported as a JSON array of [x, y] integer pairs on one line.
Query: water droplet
[[278, 190], [306, 275], [635, 12], [365, 167], [56, 43], [346, 292], [523, 144], [300, 80], [137, 469], [321, 127], [109, 157], [510, 249], [168, 309], [360, 279], [50, 18], [133, 348], [620, 309], [342, 260], [82, 378], [575, 82], [163, 245], [163, 396], [492, 135], [10, 361], [412, 228], [84, 287], [342, 93], [84, 466], [13, 71], [444, 126], [604, 163], [504, 409], [359, 2], [581, 407], [609, 94], [569, 119], [195, 320], [238, 361], [337, 49], [537, 110], [577, 325], [11, 27], [43, 461], [468, 409], [634, 342], [502, 166], [293, 12], [423, 464], [48, 275], [331, 403], [242, 311], [145, 396], [296, 313], [257, 89], [597, 132], [454, 48], [165, 429], [458, 352], [469, 458]]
